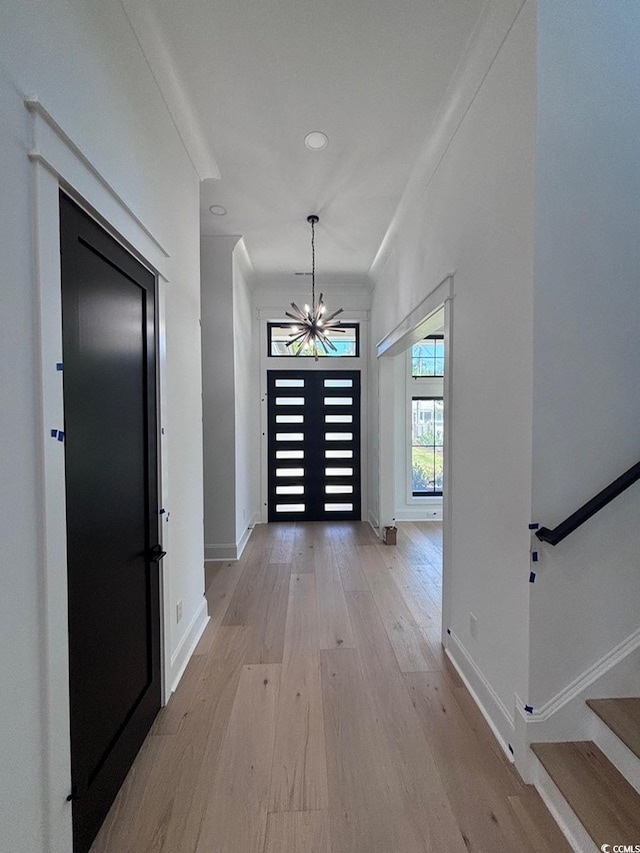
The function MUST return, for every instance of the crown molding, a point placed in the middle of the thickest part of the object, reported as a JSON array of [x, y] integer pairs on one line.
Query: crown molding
[[174, 94], [489, 36]]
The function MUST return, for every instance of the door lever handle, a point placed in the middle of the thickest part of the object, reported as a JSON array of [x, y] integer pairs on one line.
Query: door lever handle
[[155, 554]]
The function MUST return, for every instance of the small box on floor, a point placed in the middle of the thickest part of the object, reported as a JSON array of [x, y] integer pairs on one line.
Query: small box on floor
[[389, 537]]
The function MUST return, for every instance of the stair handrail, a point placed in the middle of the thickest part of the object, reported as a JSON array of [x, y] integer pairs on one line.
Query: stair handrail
[[591, 507]]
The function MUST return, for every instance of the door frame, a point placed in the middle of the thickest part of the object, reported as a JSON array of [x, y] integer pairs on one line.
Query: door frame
[[59, 164], [359, 363], [409, 331]]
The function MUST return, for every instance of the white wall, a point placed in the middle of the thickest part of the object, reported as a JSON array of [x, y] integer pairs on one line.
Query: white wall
[[21, 737], [470, 211], [586, 354], [231, 397], [84, 63], [218, 396], [275, 294], [247, 403]]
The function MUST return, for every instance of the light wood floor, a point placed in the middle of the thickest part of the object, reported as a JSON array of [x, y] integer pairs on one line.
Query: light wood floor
[[320, 715]]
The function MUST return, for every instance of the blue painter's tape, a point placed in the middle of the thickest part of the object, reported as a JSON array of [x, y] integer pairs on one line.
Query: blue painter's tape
[[54, 433], [59, 366], [60, 435], [534, 556], [532, 577], [533, 526], [529, 709]]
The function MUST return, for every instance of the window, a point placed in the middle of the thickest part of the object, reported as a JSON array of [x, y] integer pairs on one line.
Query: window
[[347, 342], [427, 440], [427, 357]]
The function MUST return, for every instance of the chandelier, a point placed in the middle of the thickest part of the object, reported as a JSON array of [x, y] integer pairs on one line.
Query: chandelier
[[312, 324]]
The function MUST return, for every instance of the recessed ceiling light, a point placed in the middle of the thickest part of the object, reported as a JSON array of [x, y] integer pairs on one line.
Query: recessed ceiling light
[[217, 210], [316, 140]]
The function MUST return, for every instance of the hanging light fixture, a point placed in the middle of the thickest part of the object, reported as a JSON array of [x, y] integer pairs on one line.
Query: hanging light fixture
[[313, 324]]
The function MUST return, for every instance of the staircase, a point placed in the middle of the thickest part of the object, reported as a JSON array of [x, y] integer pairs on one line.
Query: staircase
[[601, 790]]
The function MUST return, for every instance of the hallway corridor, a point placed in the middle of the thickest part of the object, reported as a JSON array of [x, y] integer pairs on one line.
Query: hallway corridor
[[319, 714]]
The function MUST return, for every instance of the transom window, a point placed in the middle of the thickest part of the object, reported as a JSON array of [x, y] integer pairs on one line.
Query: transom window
[[427, 357], [346, 343]]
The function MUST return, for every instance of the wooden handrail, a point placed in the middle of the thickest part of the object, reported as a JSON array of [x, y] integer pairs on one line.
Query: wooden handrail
[[590, 508]]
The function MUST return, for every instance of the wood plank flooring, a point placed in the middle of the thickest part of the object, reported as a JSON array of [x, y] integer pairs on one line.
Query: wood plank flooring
[[320, 715]]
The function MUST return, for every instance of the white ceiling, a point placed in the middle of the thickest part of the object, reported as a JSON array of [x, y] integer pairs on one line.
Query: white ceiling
[[261, 74]]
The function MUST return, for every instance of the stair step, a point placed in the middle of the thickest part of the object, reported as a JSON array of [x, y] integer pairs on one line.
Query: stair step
[[606, 804], [623, 718]]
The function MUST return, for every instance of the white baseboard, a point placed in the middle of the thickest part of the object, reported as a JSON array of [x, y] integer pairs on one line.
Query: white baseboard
[[180, 658], [247, 535], [230, 550], [374, 521], [493, 709], [222, 551], [566, 716], [581, 685], [243, 541], [420, 512]]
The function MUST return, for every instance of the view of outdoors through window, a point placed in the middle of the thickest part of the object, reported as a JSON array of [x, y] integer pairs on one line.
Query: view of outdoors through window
[[427, 357], [427, 437], [346, 343]]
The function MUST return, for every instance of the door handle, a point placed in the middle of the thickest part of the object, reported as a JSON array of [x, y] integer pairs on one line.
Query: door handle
[[155, 554]]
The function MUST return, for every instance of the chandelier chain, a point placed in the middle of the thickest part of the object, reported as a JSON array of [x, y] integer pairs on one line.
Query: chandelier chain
[[313, 263], [317, 325]]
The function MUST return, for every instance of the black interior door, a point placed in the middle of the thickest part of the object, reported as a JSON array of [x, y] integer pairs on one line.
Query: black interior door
[[313, 445], [109, 374]]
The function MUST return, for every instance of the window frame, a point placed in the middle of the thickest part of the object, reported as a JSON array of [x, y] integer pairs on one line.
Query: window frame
[[438, 492], [347, 324], [435, 337]]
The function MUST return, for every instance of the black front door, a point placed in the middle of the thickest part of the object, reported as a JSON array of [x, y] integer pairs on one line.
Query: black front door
[[314, 445], [109, 374]]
